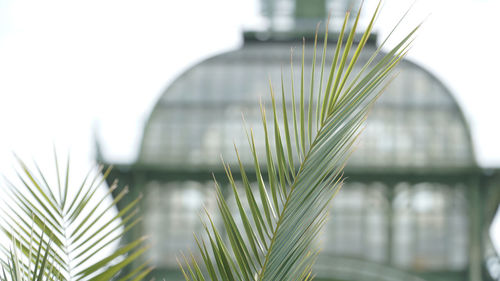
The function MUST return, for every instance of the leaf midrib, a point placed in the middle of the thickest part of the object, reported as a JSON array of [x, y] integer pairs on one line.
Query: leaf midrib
[[287, 200]]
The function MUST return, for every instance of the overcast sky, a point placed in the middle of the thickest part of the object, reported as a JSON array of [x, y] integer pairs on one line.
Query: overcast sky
[[68, 68]]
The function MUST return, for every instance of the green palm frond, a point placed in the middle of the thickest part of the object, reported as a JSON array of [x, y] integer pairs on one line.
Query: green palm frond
[[271, 235], [74, 220], [34, 264]]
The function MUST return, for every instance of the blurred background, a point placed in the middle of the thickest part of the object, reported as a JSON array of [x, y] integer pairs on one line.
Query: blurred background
[[73, 74]]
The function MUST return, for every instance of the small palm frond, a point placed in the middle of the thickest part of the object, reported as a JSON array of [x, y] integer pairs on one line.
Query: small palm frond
[[271, 236], [33, 264], [77, 222]]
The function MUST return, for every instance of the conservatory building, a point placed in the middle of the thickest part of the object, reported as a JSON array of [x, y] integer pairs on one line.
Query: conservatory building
[[415, 205]]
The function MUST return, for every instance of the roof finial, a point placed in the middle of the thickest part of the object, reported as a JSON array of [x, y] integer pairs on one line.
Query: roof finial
[[303, 15]]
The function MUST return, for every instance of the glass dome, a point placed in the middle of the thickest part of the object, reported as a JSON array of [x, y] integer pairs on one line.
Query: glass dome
[[416, 125], [410, 207]]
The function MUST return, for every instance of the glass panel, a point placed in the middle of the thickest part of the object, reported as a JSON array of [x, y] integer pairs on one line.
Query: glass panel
[[357, 225], [171, 216], [430, 227]]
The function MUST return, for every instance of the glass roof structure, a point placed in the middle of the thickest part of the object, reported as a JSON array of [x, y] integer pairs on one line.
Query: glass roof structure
[[415, 206], [416, 124], [399, 216]]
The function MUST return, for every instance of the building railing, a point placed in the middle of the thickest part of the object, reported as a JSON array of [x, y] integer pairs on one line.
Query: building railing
[[354, 269]]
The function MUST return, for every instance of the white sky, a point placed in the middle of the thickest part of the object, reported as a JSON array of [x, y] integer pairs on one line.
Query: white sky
[[67, 67]]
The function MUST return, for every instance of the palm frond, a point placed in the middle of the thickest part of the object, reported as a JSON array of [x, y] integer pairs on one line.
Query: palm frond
[[35, 263], [271, 235], [75, 219]]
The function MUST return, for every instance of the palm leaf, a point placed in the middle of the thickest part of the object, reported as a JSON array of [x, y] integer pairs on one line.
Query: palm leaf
[[34, 263], [271, 235], [74, 220]]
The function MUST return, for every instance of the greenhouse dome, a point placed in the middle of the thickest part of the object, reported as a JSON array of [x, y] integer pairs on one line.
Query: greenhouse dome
[[405, 210], [416, 125], [415, 205]]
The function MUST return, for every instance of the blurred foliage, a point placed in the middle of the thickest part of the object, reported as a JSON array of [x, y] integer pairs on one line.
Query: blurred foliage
[[65, 231]]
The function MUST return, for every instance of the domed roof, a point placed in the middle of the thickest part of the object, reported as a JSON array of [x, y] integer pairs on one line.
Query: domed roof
[[416, 124]]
